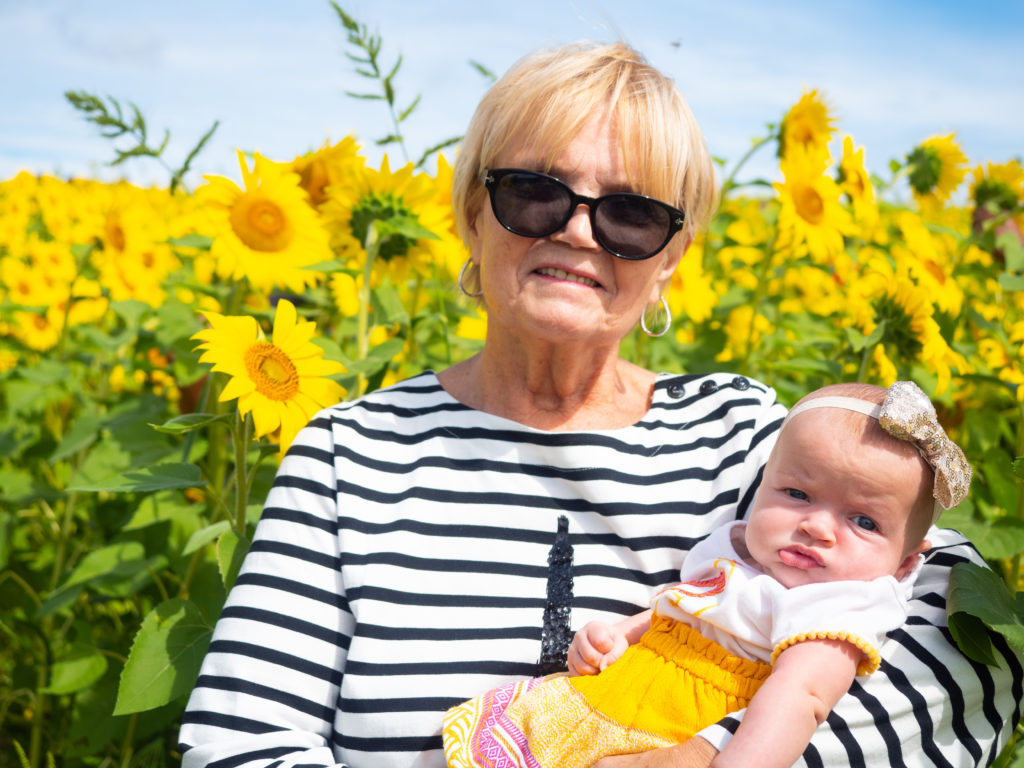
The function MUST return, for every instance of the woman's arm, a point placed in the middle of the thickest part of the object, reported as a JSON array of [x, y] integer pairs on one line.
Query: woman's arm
[[806, 681], [269, 683]]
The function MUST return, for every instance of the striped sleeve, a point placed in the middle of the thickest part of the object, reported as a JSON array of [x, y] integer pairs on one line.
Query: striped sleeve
[[268, 687]]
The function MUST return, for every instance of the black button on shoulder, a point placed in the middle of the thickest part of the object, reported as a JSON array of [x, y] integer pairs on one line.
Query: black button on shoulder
[[676, 391], [740, 383], [708, 387]]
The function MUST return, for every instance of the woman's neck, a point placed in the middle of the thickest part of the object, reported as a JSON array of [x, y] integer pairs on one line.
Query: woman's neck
[[552, 388]]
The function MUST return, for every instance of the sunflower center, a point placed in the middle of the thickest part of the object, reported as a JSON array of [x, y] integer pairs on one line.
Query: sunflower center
[[381, 206], [260, 223], [272, 371], [115, 234], [314, 179], [809, 204], [925, 168], [899, 330]]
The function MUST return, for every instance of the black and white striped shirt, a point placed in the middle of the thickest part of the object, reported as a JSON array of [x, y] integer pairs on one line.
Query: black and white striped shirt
[[414, 553]]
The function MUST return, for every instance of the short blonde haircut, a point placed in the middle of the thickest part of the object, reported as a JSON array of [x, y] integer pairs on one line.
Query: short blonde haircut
[[546, 97]]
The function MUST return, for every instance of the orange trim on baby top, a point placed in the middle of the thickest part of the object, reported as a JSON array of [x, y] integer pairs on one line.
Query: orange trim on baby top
[[869, 664]]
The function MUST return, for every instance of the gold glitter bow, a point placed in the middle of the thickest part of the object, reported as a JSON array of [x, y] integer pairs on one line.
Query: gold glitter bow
[[908, 414]]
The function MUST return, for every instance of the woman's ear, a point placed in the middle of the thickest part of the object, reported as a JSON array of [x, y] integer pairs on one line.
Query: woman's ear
[[664, 277]]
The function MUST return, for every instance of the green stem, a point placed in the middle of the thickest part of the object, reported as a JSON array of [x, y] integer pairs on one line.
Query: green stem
[[865, 361], [127, 746], [1013, 579], [190, 573], [759, 292], [35, 746], [240, 437], [372, 246], [730, 182], [9, 574]]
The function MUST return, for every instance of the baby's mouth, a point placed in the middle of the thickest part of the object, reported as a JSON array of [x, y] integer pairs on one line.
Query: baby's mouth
[[797, 557]]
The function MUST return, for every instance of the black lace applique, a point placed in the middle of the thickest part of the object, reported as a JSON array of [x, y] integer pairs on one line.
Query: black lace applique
[[555, 635]]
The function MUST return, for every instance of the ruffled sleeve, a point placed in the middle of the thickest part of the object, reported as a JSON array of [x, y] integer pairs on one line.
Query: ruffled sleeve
[[861, 613]]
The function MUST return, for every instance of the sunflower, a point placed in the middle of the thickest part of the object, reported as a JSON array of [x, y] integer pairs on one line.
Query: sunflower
[[999, 185], [744, 330], [324, 168], [808, 125], [690, 291], [855, 182], [367, 195], [282, 381], [265, 231], [811, 219], [935, 168], [911, 335]]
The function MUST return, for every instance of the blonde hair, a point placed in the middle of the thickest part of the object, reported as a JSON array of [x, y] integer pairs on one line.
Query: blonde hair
[[546, 97]]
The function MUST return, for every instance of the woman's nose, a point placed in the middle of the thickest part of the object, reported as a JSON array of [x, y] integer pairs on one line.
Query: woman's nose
[[577, 231]]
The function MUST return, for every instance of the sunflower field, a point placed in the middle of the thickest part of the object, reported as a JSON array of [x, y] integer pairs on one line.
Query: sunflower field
[[160, 348]]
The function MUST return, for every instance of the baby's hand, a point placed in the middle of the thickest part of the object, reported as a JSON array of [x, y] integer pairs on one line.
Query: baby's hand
[[596, 646]]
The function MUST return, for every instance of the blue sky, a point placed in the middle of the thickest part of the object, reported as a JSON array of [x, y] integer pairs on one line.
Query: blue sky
[[275, 73]]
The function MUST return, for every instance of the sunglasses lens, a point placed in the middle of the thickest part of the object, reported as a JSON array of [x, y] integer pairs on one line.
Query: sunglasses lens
[[631, 226], [530, 204], [535, 205]]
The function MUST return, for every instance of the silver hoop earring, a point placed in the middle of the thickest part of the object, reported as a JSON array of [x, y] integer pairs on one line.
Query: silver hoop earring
[[462, 276], [668, 320]]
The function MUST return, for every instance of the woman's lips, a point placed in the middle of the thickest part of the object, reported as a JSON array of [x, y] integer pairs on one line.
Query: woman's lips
[[560, 274], [796, 557]]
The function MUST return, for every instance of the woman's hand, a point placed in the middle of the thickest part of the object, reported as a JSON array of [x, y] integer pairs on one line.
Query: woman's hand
[[596, 646], [695, 753]]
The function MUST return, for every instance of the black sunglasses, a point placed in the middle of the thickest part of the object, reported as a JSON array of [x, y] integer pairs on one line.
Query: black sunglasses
[[627, 225]]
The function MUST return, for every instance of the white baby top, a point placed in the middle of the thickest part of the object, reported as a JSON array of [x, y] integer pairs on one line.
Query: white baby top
[[753, 616]]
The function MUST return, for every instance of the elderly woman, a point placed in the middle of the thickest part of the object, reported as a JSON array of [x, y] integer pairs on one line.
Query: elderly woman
[[446, 535]]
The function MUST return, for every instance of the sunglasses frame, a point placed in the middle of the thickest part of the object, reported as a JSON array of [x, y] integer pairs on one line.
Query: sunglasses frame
[[676, 217]]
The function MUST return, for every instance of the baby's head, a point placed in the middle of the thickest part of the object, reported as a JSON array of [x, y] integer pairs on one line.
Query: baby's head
[[844, 497]]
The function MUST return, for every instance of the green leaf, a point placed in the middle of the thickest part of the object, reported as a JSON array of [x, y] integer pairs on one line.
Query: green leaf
[[204, 536], [115, 558], [231, 551], [406, 226], [999, 539], [970, 634], [192, 240], [82, 434], [1013, 251], [165, 658], [1011, 282], [1018, 466], [333, 265], [977, 591], [181, 424], [79, 668], [157, 478], [377, 357]]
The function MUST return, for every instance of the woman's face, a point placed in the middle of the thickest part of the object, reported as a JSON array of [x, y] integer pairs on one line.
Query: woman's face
[[566, 287]]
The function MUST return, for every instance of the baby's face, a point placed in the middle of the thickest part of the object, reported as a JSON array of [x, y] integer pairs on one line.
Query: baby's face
[[831, 507]]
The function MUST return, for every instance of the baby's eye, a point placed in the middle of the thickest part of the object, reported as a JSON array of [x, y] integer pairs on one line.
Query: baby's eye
[[861, 521], [796, 493]]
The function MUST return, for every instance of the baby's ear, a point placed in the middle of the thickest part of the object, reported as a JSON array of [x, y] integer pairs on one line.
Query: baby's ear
[[911, 560]]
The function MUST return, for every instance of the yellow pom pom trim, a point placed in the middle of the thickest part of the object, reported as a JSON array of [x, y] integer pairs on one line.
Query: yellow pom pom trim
[[867, 665]]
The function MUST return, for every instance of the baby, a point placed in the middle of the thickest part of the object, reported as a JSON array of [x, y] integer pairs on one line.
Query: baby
[[776, 615]]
